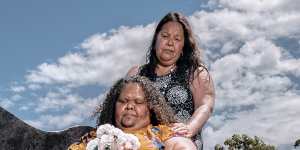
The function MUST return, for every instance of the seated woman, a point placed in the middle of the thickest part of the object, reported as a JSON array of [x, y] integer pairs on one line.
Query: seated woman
[[135, 106]]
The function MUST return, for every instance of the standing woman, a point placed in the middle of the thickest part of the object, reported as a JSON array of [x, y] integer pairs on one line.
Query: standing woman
[[174, 65]]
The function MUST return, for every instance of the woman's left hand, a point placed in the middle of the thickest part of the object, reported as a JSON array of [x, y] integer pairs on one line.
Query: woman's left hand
[[182, 129]]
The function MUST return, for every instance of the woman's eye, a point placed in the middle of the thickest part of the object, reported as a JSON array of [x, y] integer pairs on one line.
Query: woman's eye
[[164, 35], [121, 100], [140, 102], [177, 38]]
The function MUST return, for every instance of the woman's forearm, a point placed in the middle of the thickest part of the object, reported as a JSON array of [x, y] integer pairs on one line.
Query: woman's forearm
[[199, 118]]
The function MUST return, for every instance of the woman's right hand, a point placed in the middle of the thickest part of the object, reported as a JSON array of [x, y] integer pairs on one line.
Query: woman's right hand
[[182, 129]]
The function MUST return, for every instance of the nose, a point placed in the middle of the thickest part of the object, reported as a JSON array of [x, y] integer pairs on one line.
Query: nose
[[130, 106], [170, 42]]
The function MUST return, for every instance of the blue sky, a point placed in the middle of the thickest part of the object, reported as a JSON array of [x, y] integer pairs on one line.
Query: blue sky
[[59, 57], [34, 31]]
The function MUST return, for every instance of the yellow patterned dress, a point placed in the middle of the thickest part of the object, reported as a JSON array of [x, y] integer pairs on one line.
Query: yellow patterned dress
[[150, 137]]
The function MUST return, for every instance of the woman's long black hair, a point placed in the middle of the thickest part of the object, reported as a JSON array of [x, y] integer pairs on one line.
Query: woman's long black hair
[[187, 63]]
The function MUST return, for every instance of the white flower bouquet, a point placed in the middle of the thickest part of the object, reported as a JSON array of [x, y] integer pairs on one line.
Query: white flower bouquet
[[111, 138]]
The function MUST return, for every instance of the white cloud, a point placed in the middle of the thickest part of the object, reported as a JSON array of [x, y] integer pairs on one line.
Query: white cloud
[[228, 28], [255, 94], [24, 108], [56, 101], [107, 57], [258, 5], [291, 66], [79, 110], [17, 89], [34, 86], [28, 106]]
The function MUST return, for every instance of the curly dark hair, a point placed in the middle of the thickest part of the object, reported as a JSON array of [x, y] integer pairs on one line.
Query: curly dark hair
[[187, 63], [161, 112]]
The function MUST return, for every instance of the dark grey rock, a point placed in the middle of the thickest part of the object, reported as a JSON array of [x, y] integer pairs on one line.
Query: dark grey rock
[[17, 135]]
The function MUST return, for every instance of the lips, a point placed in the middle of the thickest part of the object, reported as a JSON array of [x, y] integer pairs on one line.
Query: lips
[[168, 50], [130, 114], [167, 54]]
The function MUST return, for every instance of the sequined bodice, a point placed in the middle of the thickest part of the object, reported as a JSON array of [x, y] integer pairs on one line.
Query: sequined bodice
[[178, 96]]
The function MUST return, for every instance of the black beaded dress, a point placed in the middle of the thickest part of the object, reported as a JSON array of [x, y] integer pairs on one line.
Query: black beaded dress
[[179, 97]]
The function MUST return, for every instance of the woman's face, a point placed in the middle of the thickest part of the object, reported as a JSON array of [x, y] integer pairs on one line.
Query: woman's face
[[132, 110], [169, 43]]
